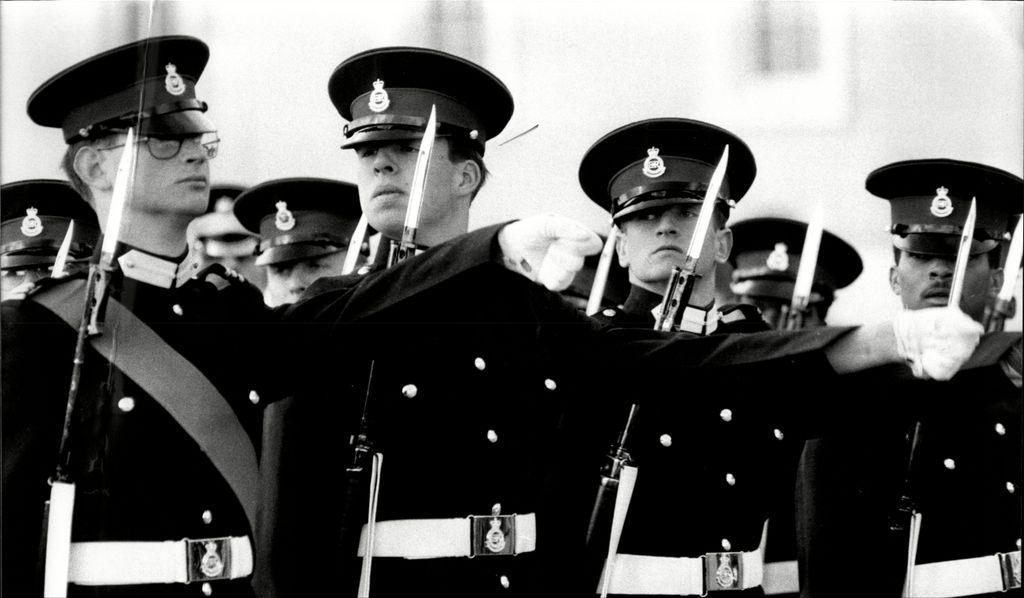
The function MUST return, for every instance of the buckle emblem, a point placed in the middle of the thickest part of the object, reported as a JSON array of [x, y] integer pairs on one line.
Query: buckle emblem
[[724, 571], [942, 205], [494, 534], [211, 564], [208, 559]]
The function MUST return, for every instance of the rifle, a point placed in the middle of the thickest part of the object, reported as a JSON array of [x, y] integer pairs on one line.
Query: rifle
[[680, 286], [905, 522], [793, 317], [59, 510], [365, 461], [610, 505], [996, 314]]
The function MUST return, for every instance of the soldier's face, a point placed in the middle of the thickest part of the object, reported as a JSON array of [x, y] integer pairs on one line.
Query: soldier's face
[[385, 175], [176, 189], [287, 281], [656, 240], [924, 281]]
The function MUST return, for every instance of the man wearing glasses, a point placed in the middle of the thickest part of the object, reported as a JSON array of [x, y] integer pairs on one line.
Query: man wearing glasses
[[162, 440]]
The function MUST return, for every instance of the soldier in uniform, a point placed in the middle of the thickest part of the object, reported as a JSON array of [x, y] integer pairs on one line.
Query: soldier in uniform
[[766, 258], [305, 228], [218, 237], [162, 441], [930, 503], [36, 218], [656, 207]]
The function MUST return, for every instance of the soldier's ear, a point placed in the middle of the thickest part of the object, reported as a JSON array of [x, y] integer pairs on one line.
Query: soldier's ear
[[467, 177], [94, 168], [723, 245], [894, 281], [620, 247]]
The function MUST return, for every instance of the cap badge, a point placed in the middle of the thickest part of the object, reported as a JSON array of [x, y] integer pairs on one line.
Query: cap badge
[[284, 219], [173, 82], [654, 166], [31, 225], [778, 259], [379, 100], [942, 206]]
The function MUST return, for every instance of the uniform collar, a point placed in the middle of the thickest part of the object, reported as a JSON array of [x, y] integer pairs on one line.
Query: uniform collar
[[157, 271], [696, 320]]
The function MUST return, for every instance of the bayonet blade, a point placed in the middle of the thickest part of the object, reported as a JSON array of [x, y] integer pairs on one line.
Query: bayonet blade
[[355, 245], [60, 262], [963, 255], [1013, 259], [119, 199], [419, 183], [601, 274], [808, 260], [707, 209]]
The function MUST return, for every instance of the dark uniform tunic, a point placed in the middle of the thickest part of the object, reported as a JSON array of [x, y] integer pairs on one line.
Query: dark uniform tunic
[[709, 469], [139, 475], [964, 477], [474, 371]]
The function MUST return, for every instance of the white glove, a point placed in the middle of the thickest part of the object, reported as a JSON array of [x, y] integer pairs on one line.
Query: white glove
[[548, 249], [936, 341]]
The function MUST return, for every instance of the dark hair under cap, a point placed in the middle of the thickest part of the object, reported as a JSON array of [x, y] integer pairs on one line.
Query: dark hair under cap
[[663, 161], [299, 218], [151, 79], [386, 95], [36, 216]]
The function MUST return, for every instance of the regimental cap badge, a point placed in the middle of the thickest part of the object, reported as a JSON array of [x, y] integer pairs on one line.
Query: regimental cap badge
[[942, 206], [379, 100], [173, 82], [778, 259], [31, 225], [654, 166], [284, 219]]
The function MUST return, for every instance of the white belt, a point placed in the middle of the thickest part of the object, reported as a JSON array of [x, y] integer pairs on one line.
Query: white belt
[[442, 538], [781, 577], [686, 576], [965, 577], [182, 561]]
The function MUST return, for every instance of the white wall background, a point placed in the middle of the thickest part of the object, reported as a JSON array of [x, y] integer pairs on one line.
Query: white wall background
[[874, 82]]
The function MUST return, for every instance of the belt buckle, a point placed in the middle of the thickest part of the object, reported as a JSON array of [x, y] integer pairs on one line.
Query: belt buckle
[[492, 535], [723, 571], [1009, 567], [208, 559]]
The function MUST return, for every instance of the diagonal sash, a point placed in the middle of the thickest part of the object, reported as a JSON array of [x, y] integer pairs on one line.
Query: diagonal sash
[[174, 382]]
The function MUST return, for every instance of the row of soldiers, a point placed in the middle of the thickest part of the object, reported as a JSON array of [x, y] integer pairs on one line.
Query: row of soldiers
[[166, 433]]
